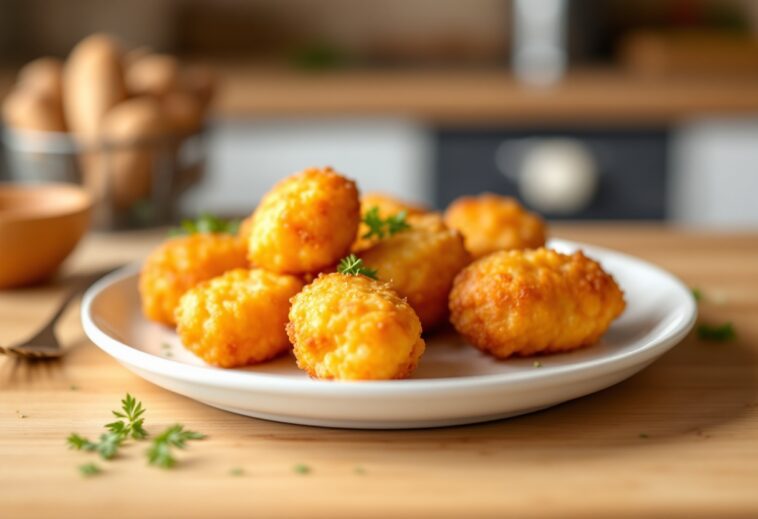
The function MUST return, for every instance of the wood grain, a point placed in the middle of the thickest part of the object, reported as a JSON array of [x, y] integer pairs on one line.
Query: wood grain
[[678, 440], [607, 97]]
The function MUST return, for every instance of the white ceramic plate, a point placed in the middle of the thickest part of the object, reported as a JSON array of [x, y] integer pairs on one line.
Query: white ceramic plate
[[454, 384]]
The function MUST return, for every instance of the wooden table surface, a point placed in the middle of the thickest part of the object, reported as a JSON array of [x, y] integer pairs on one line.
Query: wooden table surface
[[679, 439]]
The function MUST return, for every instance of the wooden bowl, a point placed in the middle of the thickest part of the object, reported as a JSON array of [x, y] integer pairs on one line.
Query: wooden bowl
[[39, 227]]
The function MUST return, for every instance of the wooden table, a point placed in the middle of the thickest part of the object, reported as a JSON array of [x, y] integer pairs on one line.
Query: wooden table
[[678, 440]]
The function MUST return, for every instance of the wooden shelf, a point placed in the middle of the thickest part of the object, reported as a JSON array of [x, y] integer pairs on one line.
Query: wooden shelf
[[483, 97], [476, 97]]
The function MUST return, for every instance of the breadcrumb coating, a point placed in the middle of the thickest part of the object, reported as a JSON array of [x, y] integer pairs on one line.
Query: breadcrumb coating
[[238, 318], [491, 222], [305, 223], [420, 264], [346, 327], [533, 301], [181, 263]]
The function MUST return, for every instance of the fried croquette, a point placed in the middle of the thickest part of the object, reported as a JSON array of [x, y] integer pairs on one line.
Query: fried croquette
[[491, 222], [420, 264], [533, 301], [347, 327], [238, 318], [180, 264], [305, 223]]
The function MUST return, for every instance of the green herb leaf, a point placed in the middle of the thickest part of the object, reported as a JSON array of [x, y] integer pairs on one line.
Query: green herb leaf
[[89, 469], [80, 443], [206, 223], [381, 227], [131, 411], [353, 265], [716, 333], [237, 471], [302, 468], [159, 453], [108, 445], [697, 294], [396, 223]]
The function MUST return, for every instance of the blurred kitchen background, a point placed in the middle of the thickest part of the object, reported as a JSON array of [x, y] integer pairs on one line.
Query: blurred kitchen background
[[584, 109]]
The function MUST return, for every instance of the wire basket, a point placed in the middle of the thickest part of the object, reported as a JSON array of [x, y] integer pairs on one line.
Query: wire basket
[[134, 184]]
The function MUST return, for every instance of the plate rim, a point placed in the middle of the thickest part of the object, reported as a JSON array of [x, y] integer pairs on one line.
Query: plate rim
[[252, 381]]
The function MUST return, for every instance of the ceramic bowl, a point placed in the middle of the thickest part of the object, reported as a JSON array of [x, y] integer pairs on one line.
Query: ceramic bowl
[[39, 227]]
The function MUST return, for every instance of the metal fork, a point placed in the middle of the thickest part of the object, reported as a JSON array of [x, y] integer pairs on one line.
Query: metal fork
[[44, 344]]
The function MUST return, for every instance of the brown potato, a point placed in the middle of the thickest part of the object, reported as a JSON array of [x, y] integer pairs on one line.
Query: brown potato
[[32, 110], [182, 112], [153, 74], [93, 83], [133, 127], [43, 75]]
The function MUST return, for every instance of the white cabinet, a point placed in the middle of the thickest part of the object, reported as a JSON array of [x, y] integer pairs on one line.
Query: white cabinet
[[714, 174]]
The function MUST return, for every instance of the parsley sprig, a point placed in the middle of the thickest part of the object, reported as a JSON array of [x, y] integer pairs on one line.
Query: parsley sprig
[[206, 223], [106, 446], [353, 265], [89, 469], [716, 333], [381, 227], [159, 452], [131, 425], [132, 413]]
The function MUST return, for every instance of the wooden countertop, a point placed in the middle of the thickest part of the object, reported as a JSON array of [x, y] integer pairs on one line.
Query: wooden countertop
[[679, 439], [473, 97]]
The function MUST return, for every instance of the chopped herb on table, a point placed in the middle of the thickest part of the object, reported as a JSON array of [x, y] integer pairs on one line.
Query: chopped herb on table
[[301, 468], [237, 471], [89, 469], [131, 425], [697, 294], [716, 333], [131, 411], [353, 265], [160, 452]]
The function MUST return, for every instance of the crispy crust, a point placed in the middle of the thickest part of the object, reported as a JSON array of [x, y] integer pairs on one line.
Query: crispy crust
[[347, 327], [305, 223], [491, 222], [535, 301], [420, 264], [237, 319], [181, 263]]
